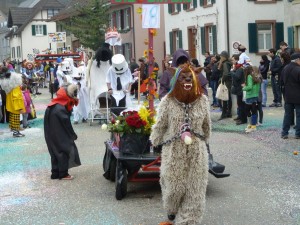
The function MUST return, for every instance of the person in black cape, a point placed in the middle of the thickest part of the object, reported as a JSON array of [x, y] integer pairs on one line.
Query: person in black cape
[[59, 133]]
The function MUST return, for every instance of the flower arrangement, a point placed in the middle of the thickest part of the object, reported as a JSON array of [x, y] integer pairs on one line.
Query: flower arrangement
[[132, 122]]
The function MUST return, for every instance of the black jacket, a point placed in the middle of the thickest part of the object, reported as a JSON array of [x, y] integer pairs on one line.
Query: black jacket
[[238, 79], [263, 69], [275, 65], [291, 82]]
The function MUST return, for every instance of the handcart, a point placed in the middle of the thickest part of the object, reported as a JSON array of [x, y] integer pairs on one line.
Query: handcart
[[123, 168], [99, 110]]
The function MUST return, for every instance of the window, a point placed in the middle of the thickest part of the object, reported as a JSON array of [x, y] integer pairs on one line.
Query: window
[[51, 12], [264, 35], [190, 6], [209, 39], [175, 38], [39, 30], [127, 51], [18, 52], [121, 19], [207, 2], [174, 8], [13, 52]]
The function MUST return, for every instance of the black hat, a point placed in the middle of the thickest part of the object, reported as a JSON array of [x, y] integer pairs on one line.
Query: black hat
[[224, 54], [295, 56]]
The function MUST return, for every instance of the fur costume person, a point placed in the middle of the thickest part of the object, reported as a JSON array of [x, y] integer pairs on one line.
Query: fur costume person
[[183, 127]]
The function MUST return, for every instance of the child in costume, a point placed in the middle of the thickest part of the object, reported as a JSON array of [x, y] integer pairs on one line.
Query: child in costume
[[11, 84], [183, 127], [59, 134]]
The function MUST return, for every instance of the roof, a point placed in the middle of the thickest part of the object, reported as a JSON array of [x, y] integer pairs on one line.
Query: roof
[[21, 17], [70, 9]]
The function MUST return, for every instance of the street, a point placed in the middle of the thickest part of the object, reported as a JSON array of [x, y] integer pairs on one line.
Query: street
[[263, 188]]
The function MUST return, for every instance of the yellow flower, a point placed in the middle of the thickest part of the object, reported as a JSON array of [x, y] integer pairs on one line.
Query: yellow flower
[[139, 10], [144, 113]]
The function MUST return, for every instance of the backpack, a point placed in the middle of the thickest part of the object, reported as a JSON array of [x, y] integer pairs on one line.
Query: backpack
[[257, 78]]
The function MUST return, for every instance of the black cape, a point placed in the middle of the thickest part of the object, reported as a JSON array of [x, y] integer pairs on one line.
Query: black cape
[[59, 134]]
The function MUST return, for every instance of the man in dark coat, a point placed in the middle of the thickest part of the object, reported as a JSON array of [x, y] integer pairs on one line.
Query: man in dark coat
[[59, 133], [291, 81]]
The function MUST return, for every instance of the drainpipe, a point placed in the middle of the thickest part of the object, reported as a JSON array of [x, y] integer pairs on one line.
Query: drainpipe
[[227, 26], [133, 31]]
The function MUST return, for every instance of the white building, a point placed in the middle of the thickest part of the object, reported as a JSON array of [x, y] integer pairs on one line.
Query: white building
[[214, 26], [30, 28]]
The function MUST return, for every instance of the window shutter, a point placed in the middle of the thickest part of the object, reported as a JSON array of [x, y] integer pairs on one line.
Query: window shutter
[[201, 2], [180, 38], [213, 1], [184, 6], [170, 8], [129, 17], [214, 33], [291, 37], [252, 36], [195, 3], [44, 29], [171, 42], [122, 19], [203, 46], [279, 34], [33, 30], [178, 7]]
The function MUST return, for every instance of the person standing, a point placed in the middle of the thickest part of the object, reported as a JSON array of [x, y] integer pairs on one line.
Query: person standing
[[59, 134], [224, 67], [238, 79], [11, 84], [164, 81], [291, 82], [275, 67], [214, 79], [263, 69]]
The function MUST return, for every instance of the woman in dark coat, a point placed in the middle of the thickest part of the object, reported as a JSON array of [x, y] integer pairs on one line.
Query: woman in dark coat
[[59, 133], [263, 69]]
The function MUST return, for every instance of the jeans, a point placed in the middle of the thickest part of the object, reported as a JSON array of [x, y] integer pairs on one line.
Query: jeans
[[214, 86], [276, 89], [264, 86], [25, 120], [288, 115]]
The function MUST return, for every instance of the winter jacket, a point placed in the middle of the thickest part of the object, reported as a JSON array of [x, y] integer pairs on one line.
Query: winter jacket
[[238, 79], [263, 69], [251, 88], [291, 82], [215, 73], [226, 75], [275, 66]]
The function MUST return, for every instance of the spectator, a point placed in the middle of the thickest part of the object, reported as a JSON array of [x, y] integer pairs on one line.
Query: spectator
[[275, 67], [214, 79], [165, 79], [224, 67], [263, 69], [238, 79], [291, 82]]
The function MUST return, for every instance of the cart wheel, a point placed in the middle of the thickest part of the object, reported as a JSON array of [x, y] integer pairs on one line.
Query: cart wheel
[[121, 184], [112, 169]]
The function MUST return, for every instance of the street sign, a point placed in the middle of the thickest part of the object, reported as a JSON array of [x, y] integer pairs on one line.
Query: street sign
[[149, 1]]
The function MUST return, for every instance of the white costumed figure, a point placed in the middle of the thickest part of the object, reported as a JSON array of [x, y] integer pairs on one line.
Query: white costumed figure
[[96, 74], [119, 80], [64, 72], [82, 109]]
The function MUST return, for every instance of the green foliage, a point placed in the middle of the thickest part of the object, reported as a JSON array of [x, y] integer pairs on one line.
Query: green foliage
[[89, 22]]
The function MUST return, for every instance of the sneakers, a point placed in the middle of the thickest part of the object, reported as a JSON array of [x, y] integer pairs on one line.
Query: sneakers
[[18, 134], [68, 177], [248, 127], [273, 104], [284, 137], [251, 129], [259, 124], [278, 105]]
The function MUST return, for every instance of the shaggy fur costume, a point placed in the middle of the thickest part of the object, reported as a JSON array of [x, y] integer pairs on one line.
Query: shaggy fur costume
[[184, 168]]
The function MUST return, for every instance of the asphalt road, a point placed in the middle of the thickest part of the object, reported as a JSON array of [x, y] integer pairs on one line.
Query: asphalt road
[[263, 188]]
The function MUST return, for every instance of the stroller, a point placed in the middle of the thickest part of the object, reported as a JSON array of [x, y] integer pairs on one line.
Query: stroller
[[100, 109]]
